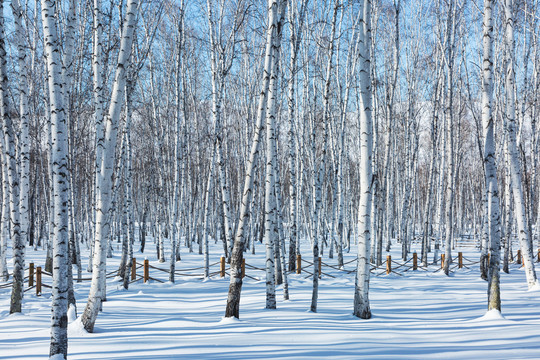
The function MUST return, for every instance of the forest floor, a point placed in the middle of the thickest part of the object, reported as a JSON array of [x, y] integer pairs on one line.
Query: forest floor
[[416, 315]]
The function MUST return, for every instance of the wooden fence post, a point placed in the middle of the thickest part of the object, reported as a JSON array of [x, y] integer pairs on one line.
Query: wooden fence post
[[442, 261], [460, 259], [319, 263], [222, 266], [298, 264], [38, 281], [415, 261], [31, 275], [243, 267], [146, 270], [519, 257], [133, 269], [388, 264]]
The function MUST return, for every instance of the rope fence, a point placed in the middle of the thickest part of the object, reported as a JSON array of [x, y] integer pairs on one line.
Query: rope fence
[[35, 277]]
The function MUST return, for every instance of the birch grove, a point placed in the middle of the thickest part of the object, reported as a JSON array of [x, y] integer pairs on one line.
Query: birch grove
[[301, 131]]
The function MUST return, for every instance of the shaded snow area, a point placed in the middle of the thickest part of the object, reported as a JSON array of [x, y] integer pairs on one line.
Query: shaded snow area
[[416, 315]]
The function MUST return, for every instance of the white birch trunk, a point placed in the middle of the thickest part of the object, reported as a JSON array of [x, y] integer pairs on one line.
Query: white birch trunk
[[361, 287], [490, 166], [104, 184], [320, 167], [449, 118], [235, 287], [128, 182], [295, 38], [99, 103], [10, 157], [207, 204], [269, 206], [515, 168], [177, 200], [4, 226], [59, 341], [24, 139]]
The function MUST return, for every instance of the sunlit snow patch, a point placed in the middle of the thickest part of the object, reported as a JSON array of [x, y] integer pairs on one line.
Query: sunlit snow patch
[[229, 321], [536, 287], [76, 328], [71, 314], [492, 315]]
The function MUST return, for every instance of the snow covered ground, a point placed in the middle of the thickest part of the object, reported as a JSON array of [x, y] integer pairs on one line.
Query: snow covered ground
[[418, 315]]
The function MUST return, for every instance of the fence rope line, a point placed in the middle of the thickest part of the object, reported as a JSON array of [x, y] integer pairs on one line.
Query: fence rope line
[[253, 267], [180, 274], [402, 265], [400, 268]]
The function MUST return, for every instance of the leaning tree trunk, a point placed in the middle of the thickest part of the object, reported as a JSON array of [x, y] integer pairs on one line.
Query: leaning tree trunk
[[235, 286], [515, 168], [104, 185]]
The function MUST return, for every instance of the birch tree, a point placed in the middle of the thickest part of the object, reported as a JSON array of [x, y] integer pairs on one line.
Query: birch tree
[[24, 139], [59, 341], [490, 166], [449, 125], [235, 286], [361, 287], [10, 162], [178, 146], [515, 167], [295, 39], [319, 167], [222, 55], [104, 185]]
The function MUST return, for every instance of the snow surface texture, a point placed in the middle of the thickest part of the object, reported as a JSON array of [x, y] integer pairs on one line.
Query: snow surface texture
[[420, 315]]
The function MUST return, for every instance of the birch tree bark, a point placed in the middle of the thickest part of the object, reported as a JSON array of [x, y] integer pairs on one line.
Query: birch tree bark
[[235, 286], [270, 226], [99, 104], [24, 139], [515, 168], [177, 143], [221, 60], [361, 286], [428, 212], [4, 226], [490, 165], [319, 169], [449, 118], [10, 157], [295, 38], [60, 171], [104, 183]]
